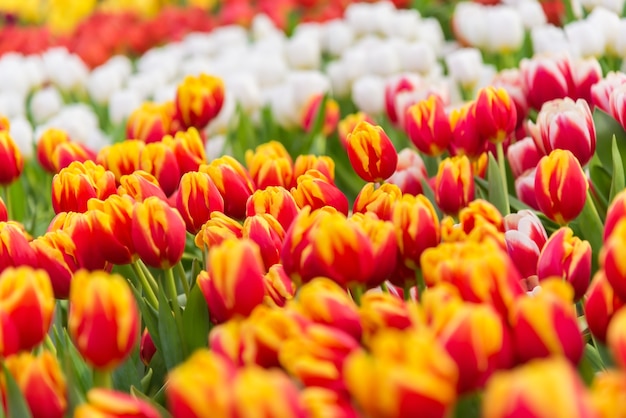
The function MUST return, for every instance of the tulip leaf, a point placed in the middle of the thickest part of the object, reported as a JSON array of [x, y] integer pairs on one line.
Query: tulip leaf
[[16, 404], [606, 128], [164, 413], [171, 345], [149, 317], [593, 229], [196, 324], [617, 184], [468, 406], [589, 364], [495, 187], [129, 373], [428, 192]]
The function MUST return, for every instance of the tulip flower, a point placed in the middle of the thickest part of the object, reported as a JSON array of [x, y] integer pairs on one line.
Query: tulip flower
[[428, 126], [158, 233], [109, 403], [607, 391], [56, 254], [14, 248], [347, 125], [560, 186], [268, 234], [479, 212], [74, 185], [525, 188], [270, 168], [198, 100], [399, 85], [410, 172], [191, 394], [217, 229], [66, 153], [546, 324], [466, 139], [233, 284], [323, 163], [27, 298], [567, 256], [547, 388], [371, 152], [196, 198], [377, 200], [103, 320], [411, 365], [495, 114], [279, 288], [147, 349], [616, 337], [614, 214], [523, 155], [320, 402], [12, 161], [277, 201], [546, 78], [565, 124], [188, 147], [525, 237], [140, 185], [315, 191], [601, 304], [113, 227], [310, 114], [149, 123], [382, 311], [454, 184], [601, 91], [234, 183], [121, 158], [48, 141], [159, 160], [41, 382]]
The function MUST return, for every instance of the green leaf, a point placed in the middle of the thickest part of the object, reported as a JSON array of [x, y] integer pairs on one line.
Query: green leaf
[[593, 229], [160, 409], [196, 324], [496, 186], [16, 404], [618, 182], [428, 192], [129, 373], [171, 345], [606, 128], [149, 317], [468, 406], [589, 364]]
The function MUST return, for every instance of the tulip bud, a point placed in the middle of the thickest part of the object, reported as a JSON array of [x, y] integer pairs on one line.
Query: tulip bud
[[279, 289], [158, 233], [217, 229], [314, 190], [399, 360], [565, 124], [567, 256], [13, 163], [454, 184], [410, 172], [525, 188], [159, 160], [276, 201], [113, 227], [546, 324], [371, 152], [428, 126], [234, 183], [607, 390], [188, 147], [557, 172], [270, 165], [121, 158], [546, 78], [198, 100], [495, 113], [401, 84], [42, 383], [614, 214], [233, 284], [56, 254], [109, 403], [601, 304], [48, 141], [140, 185], [602, 91], [268, 234], [104, 319], [74, 185], [14, 248], [147, 349], [149, 123], [320, 403], [379, 201], [27, 298], [323, 163], [196, 198], [479, 212], [523, 155], [542, 388], [382, 311], [347, 125], [525, 237], [66, 153]]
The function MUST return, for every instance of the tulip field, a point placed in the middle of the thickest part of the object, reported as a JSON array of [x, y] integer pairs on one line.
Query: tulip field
[[312, 209]]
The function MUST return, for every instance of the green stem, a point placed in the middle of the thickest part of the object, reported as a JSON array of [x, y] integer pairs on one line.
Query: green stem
[[147, 288], [407, 290], [357, 292], [149, 277], [7, 202], [170, 286], [502, 166], [102, 378], [421, 285], [182, 276]]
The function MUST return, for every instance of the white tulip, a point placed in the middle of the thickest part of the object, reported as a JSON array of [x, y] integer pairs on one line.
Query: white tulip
[[196, 65], [505, 30], [417, 56], [469, 22], [45, 103], [304, 51], [270, 70], [465, 66], [404, 24], [549, 39], [586, 38], [384, 11], [263, 26], [361, 17], [531, 13], [146, 83], [22, 134], [430, 30], [103, 82], [283, 106], [339, 81], [216, 147], [33, 67], [272, 45], [222, 121], [96, 140], [337, 37], [620, 43], [368, 94], [383, 59], [65, 70], [199, 44], [607, 21], [165, 93], [228, 37], [78, 120], [354, 62], [13, 76], [122, 103], [617, 6], [305, 84], [12, 104], [122, 64], [245, 90]]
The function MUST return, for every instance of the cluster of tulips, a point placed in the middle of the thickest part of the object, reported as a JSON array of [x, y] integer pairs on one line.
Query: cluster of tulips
[[400, 243]]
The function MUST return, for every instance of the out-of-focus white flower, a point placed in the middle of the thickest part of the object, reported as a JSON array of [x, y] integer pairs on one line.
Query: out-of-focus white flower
[[354, 60], [586, 39], [198, 43], [65, 70], [222, 121], [430, 30], [306, 84], [382, 59], [620, 42], [549, 39], [362, 18], [13, 76], [121, 64], [404, 24], [33, 67], [269, 69], [272, 45], [337, 36], [283, 105], [616, 6], [145, 84], [505, 30], [78, 120], [12, 104], [96, 140], [229, 37], [245, 89], [45, 103], [165, 93], [303, 51], [102, 82], [262, 26], [469, 23], [384, 11], [368, 94], [607, 21], [22, 133], [465, 66], [215, 147], [122, 103], [417, 56], [196, 65], [339, 81], [530, 12]]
